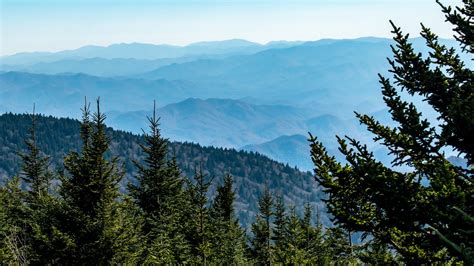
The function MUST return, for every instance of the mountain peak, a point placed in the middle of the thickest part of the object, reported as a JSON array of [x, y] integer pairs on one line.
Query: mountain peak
[[224, 44]]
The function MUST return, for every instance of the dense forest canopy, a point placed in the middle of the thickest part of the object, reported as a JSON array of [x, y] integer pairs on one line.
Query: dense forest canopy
[[57, 136]]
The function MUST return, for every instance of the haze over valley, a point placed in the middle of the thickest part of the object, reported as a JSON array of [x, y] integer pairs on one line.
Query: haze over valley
[[233, 93]]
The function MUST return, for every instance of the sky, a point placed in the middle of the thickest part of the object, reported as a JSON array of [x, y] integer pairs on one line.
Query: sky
[[54, 25]]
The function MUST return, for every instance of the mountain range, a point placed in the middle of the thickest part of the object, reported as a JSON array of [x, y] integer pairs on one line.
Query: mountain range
[[234, 93], [145, 51]]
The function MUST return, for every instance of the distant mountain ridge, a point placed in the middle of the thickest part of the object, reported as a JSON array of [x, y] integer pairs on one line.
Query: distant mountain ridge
[[142, 51], [285, 88]]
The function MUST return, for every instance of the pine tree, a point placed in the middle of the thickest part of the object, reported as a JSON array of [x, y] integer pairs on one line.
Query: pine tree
[[199, 233], [338, 246], [397, 207], [376, 253], [262, 251], [295, 253], [223, 204], [313, 242], [14, 246], [158, 193], [39, 202], [228, 238], [90, 192], [35, 172], [279, 232]]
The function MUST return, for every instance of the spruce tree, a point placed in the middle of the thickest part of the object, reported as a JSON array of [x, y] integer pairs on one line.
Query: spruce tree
[[398, 208], [15, 248], [40, 203], [338, 246], [313, 242], [228, 239], [279, 233], [296, 237], [158, 193], [199, 231], [262, 249], [35, 172], [90, 192], [223, 204]]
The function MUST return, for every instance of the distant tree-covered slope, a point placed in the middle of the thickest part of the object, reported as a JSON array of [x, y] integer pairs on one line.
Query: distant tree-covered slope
[[57, 136]]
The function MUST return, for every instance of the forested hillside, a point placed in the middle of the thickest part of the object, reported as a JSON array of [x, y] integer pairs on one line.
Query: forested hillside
[[251, 171]]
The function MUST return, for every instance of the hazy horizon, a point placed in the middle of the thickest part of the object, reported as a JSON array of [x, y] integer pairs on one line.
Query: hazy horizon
[[52, 25]]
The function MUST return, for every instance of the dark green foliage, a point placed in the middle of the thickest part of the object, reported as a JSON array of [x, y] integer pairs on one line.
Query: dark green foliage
[[395, 207], [228, 242], [14, 247], [198, 226], [296, 240], [158, 193], [223, 204], [339, 246], [376, 253], [262, 249], [164, 220], [39, 205], [35, 171], [56, 137], [90, 193], [280, 228]]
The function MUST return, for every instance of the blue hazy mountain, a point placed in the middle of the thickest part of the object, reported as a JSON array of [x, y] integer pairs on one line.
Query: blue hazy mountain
[[144, 51], [293, 150], [218, 122], [285, 89], [97, 66], [63, 95], [318, 71], [297, 75], [239, 124]]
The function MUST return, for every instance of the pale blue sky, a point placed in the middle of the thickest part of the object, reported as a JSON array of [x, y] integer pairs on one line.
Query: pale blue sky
[[52, 25]]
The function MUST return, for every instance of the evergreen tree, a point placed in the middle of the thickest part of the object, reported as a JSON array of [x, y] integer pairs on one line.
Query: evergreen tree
[[35, 171], [90, 193], [376, 253], [313, 242], [40, 205], [295, 253], [199, 227], [14, 246], [158, 193], [223, 204], [338, 246], [279, 232], [398, 207], [228, 238], [262, 251]]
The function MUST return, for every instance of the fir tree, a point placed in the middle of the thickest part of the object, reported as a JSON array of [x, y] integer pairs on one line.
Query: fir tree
[[199, 227], [279, 232], [313, 242], [39, 225], [35, 172], [228, 238], [295, 253], [158, 193], [398, 207], [338, 246], [262, 232], [223, 204], [14, 246], [90, 193]]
